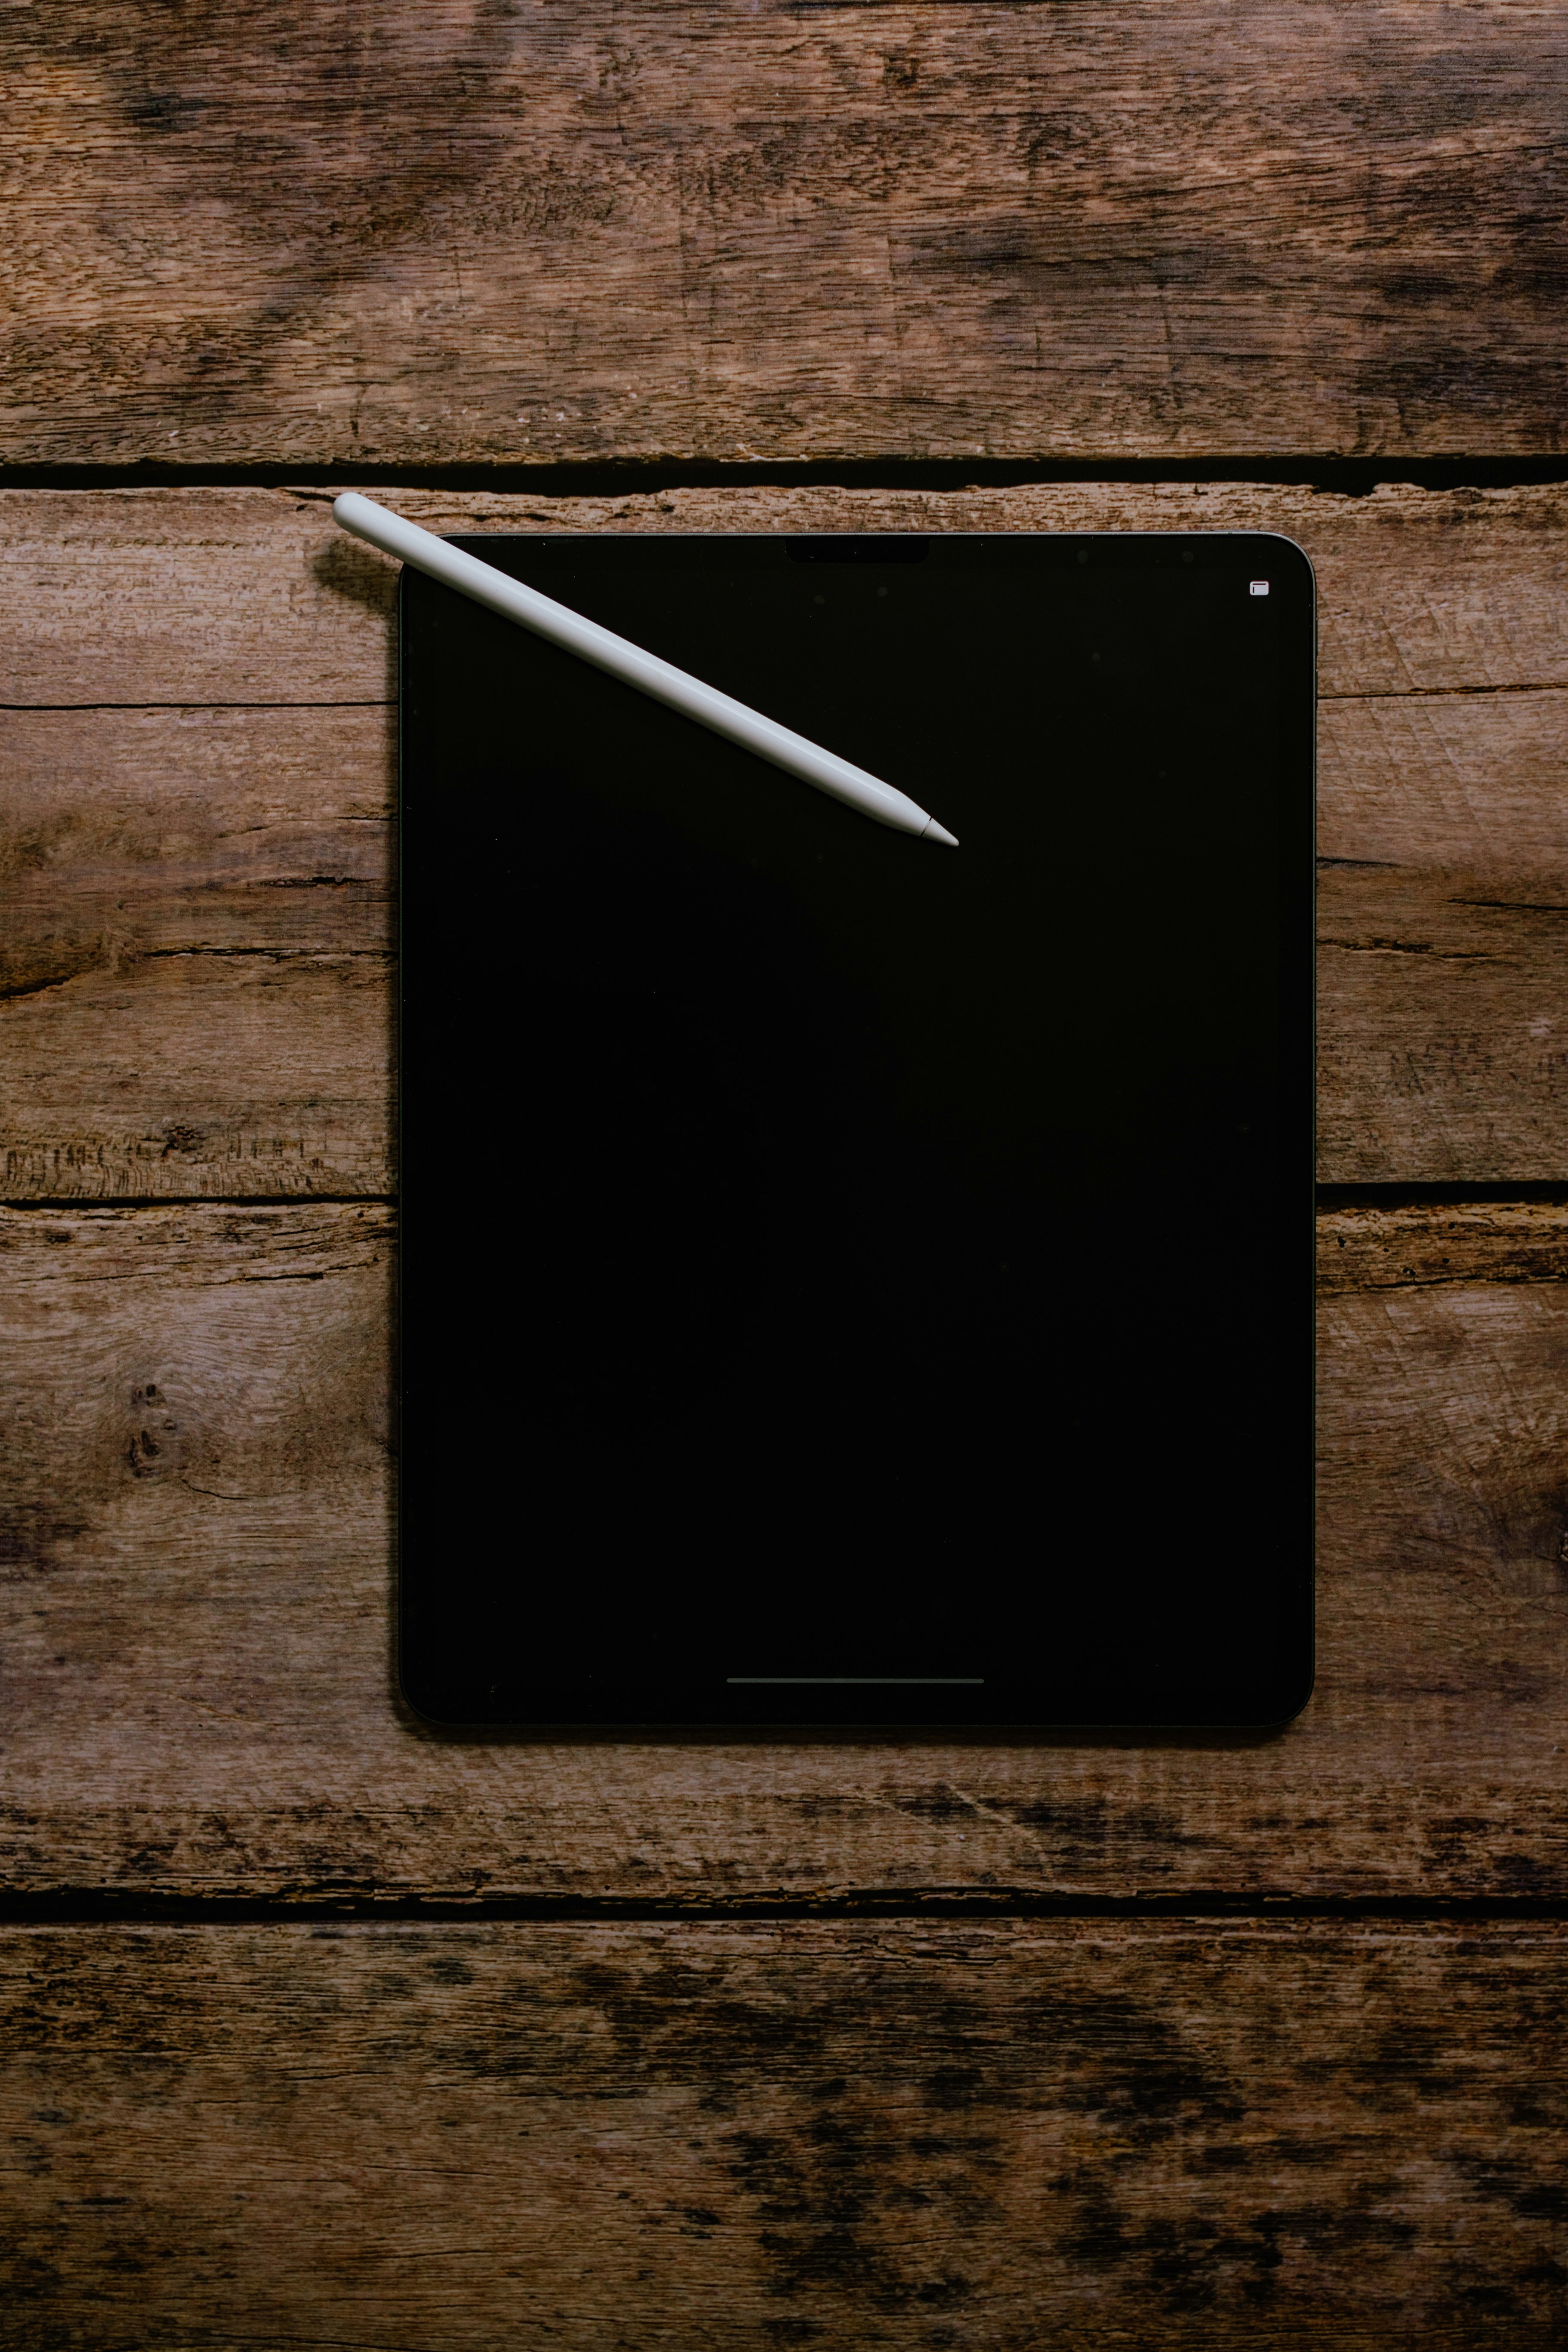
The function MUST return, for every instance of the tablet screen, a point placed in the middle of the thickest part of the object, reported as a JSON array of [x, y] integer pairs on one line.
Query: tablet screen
[[846, 1279]]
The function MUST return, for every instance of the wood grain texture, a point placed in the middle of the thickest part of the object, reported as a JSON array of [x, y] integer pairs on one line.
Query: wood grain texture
[[294, 232], [1369, 1248], [197, 895], [197, 1693], [129, 834], [247, 596], [470, 2139]]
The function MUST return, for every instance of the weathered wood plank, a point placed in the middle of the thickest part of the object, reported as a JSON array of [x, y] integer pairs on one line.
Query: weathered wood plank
[[1093, 2134], [322, 234], [197, 913], [253, 596], [198, 897], [1445, 782], [1443, 984], [197, 1692], [128, 834], [1443, 930], [230, 1072], [1370, 1249]]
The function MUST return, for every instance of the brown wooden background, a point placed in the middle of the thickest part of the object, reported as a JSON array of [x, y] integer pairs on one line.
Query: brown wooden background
[[320, 2029]]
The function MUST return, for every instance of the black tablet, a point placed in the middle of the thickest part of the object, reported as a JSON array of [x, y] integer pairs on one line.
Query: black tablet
[[845, 1279]]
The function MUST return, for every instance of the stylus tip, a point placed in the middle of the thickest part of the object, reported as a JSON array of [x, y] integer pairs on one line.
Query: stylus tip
[[935, 831]]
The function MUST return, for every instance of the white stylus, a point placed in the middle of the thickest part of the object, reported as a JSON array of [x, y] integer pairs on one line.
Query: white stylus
[[540, 614]]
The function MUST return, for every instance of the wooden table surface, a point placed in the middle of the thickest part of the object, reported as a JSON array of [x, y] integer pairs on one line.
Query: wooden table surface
[[322, 2029]]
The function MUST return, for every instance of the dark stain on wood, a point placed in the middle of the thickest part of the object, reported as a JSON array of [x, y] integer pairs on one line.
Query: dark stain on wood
[[913, 231], [1259, 2136]]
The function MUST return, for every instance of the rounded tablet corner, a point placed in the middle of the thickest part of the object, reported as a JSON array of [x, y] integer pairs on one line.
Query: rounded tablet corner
[[430, 1706], [1290, 1703], [1295, 551]]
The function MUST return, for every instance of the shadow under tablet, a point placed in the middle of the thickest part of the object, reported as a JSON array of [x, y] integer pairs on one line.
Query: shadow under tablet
[[890, 1301]]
